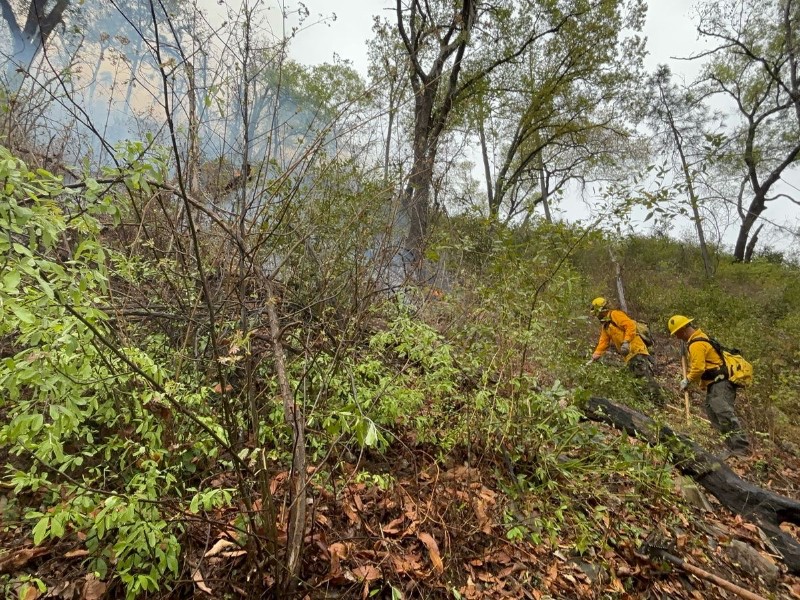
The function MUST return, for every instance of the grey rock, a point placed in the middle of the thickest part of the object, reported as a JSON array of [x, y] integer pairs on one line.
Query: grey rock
[[595, 573], [693, 494], [752, 561]]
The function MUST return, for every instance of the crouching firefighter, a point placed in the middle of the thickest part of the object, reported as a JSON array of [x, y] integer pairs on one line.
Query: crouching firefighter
[[706, 368], [619, 329]]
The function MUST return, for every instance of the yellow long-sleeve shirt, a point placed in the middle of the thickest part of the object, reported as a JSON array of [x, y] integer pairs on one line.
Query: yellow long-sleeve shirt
[[618, 328], [702, 357]]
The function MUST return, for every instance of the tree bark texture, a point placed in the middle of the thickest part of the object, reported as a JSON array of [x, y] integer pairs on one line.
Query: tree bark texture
[[757, 206], [623, 304], [430, 116], [27, 40], [751, 245], [494, 209], [295, 418], [762, 507]]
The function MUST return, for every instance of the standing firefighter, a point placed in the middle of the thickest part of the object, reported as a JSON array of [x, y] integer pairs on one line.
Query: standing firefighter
[[619, 329], [707, 369]]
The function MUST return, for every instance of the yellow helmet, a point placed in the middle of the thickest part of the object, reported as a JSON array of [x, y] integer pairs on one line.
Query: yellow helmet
[[677, 322], [599, 304]]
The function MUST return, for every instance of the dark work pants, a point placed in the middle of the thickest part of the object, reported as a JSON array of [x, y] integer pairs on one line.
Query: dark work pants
[[641, 366], [720, 398]]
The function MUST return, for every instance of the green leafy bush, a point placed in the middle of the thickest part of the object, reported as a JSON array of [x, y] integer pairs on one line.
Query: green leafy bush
[[84, 414]]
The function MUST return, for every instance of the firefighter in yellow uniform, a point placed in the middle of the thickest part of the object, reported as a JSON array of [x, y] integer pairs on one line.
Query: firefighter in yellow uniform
[[706, 370], [620, 330]]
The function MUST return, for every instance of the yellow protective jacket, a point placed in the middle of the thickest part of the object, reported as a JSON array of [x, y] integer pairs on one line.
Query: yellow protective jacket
[[701, 358], [618, 328]]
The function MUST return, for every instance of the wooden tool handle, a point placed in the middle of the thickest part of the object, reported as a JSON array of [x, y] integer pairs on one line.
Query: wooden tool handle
[[702, 574], [685, 392]]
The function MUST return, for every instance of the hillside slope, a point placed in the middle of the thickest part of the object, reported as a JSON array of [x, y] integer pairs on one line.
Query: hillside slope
[[430, 444]]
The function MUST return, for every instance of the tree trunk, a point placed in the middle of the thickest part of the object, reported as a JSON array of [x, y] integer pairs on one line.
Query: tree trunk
[[544, 191], [695, 205], [30, 39], [751, 245], [764, 508], [388, 144], [390, 130], [494, 209], [293, 414], [740, 251], [431, 109], [417, 203], [623, 304], [687, 176]]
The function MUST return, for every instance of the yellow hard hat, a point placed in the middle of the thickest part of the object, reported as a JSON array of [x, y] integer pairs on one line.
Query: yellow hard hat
[[677, 322], [599, 304]]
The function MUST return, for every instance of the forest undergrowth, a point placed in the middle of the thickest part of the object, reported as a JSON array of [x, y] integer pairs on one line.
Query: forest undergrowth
[[179, 422]]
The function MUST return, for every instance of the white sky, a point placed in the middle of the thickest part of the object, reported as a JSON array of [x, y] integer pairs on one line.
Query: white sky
[[668, 21]]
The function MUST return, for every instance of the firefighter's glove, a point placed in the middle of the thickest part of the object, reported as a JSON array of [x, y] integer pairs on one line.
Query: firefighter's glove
[[684, 384], [625, 348]]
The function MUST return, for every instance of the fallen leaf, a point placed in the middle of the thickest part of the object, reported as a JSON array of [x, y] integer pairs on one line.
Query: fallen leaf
[[394, 526], [197, 577], [219, 547], [367, 573], [65, 589], [500, 557], [31, 592], [433, 550], [484, 522], [552, 573], [93, 589], [276, 481], [489, 495], [337, 551], [76, 553], [14, 561], [510, 570], [409, 563], [461, 474], [616, 585], [352, 515]]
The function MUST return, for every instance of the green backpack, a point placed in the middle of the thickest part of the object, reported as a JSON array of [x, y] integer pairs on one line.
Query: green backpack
[[643, 331], [735, 367]]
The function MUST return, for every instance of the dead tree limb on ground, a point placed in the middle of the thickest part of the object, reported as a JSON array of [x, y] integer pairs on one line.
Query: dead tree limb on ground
[[764, 508]]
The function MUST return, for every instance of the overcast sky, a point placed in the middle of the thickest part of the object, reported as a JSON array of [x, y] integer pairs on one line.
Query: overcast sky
[[669, 30]]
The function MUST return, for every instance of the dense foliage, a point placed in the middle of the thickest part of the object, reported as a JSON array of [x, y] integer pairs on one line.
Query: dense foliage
[[120, 438]]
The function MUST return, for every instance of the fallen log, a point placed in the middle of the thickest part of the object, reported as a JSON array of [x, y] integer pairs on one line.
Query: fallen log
[[762, 507]]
